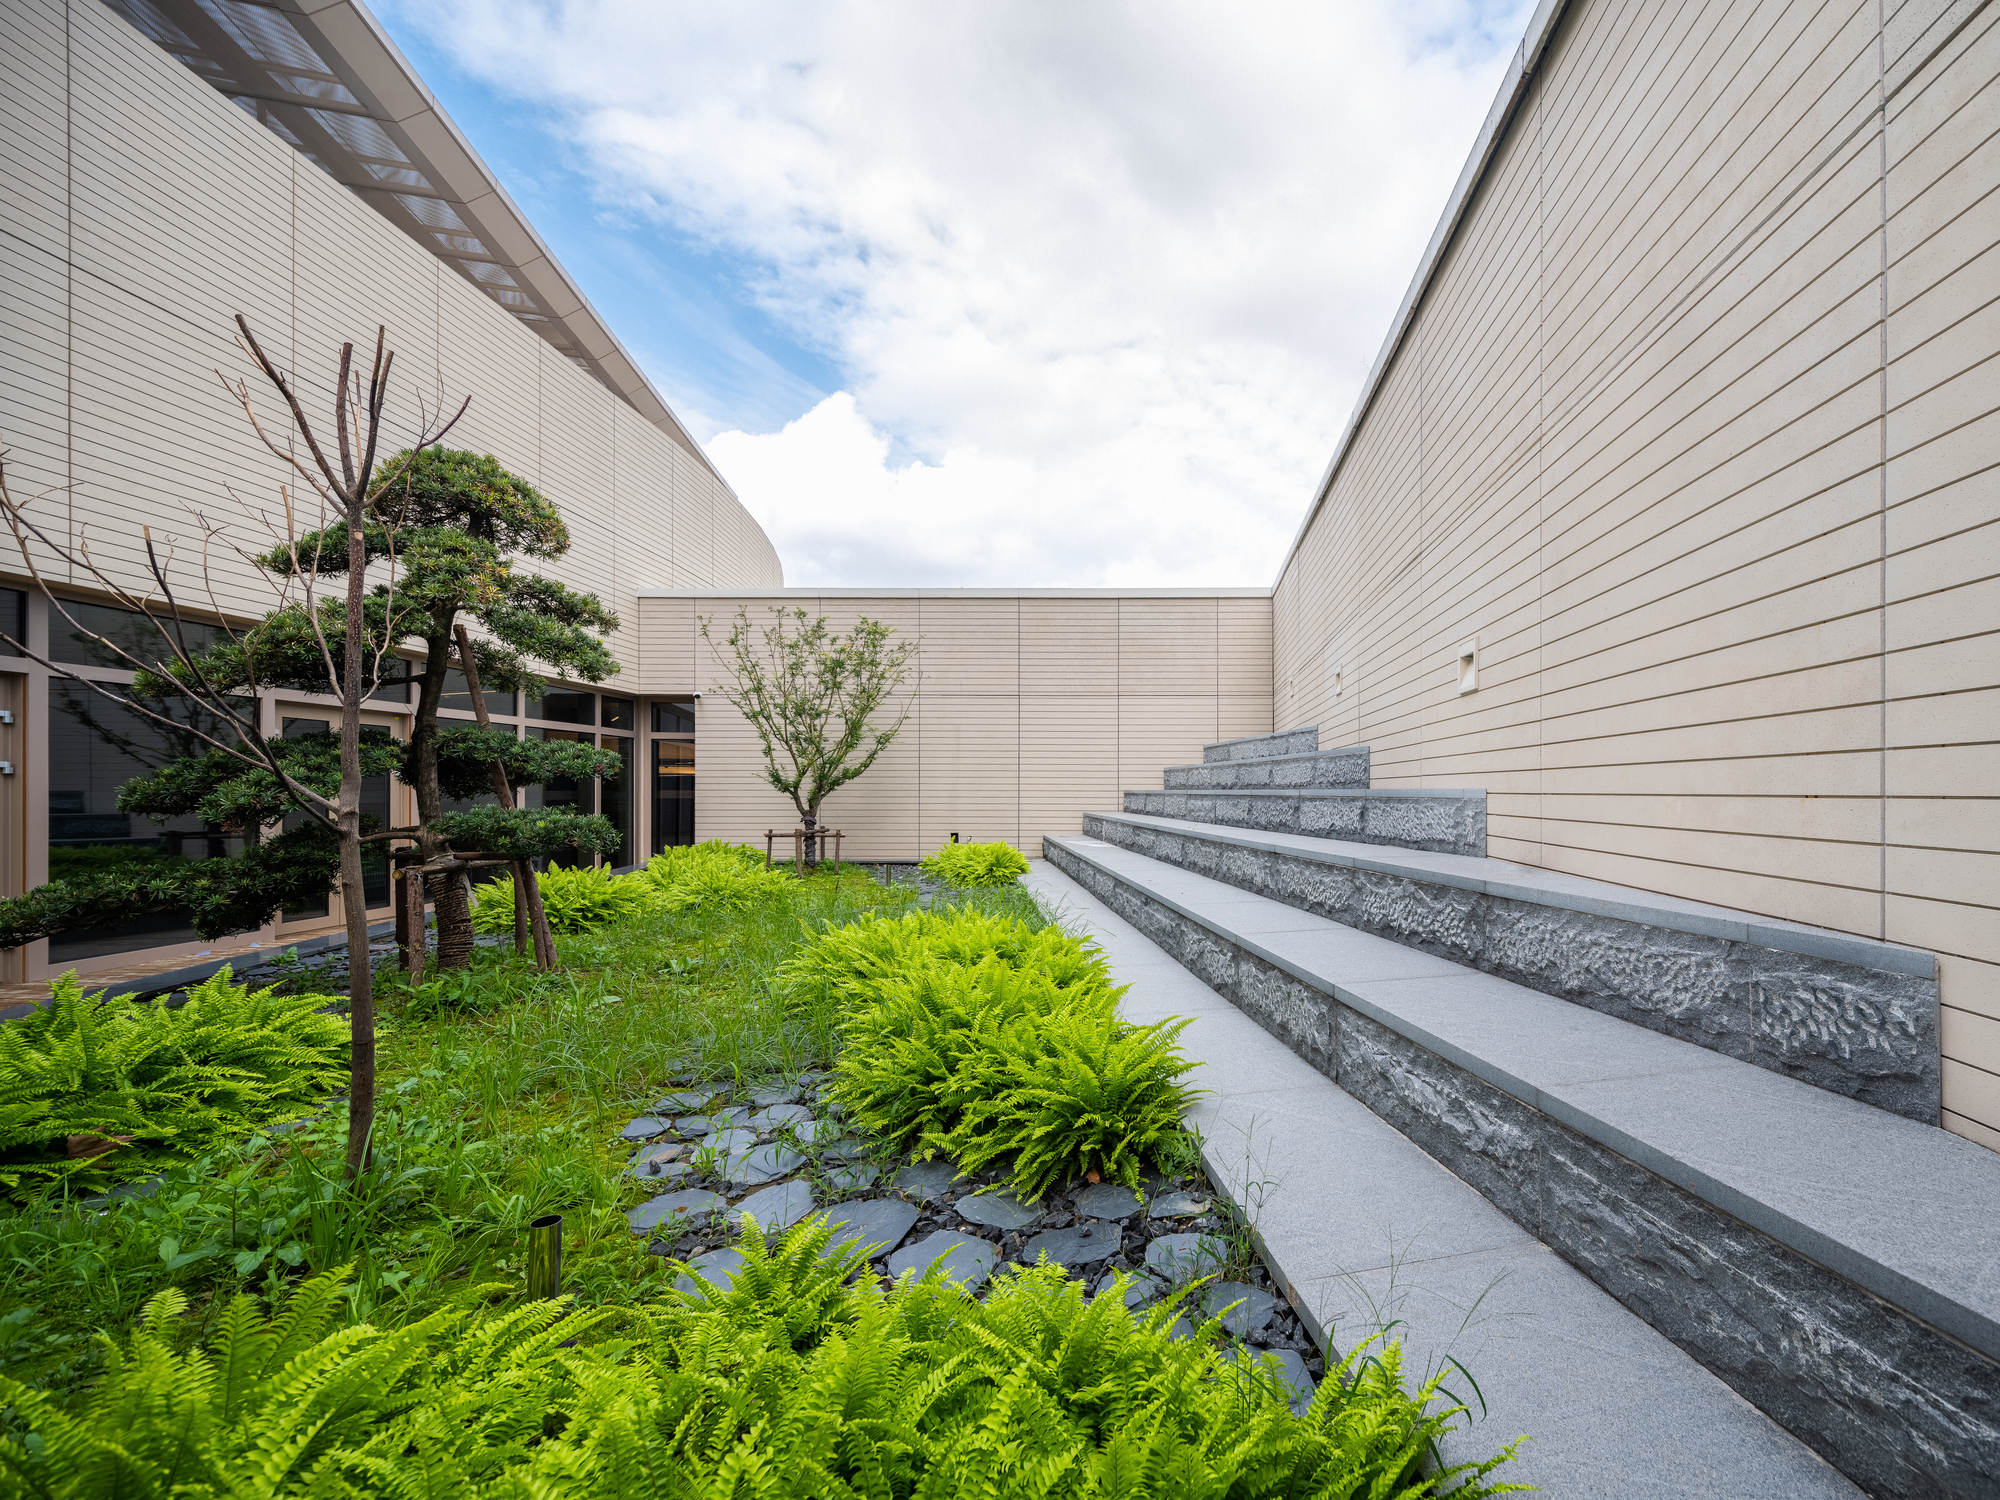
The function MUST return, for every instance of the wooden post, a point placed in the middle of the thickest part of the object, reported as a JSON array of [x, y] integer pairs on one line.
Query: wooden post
[[412, 911]]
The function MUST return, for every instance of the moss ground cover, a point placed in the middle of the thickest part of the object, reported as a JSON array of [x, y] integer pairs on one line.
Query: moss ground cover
[[507, 1094]]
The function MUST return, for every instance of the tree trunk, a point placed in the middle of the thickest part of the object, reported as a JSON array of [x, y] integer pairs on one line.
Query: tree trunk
[[524, 931], [353, 896], [410, 906], [454, 920]]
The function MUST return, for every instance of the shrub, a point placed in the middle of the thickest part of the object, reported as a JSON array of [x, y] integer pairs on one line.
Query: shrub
[[166, 1083], [801, 1380], [969, 866], [715, 875], [984, 1039], [575, 900]]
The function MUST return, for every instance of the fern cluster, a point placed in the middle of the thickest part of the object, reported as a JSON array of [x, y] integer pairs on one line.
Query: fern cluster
[[170, 1083], [801, 1381], [988, 1041], [715, 875], [575, 900], [969, 866]]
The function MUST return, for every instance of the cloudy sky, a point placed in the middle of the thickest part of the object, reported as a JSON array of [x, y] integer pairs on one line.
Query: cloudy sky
[[1007, 293]]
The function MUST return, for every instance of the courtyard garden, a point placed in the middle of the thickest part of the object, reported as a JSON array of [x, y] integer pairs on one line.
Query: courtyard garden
[[864, 1189]]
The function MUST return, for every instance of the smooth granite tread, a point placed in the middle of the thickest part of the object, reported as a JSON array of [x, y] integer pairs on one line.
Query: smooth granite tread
[[1361, 1227], [1499, 877], [1801, 1165]]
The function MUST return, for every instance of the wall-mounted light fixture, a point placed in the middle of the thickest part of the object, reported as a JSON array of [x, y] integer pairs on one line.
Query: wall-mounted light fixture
[[1468, 666]]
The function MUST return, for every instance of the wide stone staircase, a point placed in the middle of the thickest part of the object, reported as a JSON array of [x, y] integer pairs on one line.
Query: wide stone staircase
[[1725, 1122]]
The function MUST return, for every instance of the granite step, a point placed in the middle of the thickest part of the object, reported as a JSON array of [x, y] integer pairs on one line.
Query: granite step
[[1362, 1228], [1440, 820], [1836, 1264], [1346, 767], [1843, 1013], [1256, 746]]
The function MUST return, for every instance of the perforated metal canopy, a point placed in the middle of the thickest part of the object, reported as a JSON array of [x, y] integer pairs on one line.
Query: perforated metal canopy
[[327, 79]]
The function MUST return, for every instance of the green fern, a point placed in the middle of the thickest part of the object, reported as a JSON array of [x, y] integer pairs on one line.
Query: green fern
[[970, 866], [801, 1380], [715, 875], [575, 900], [171, 1082]]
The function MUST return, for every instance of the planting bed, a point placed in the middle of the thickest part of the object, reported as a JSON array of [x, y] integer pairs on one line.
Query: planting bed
[[779, 1152]]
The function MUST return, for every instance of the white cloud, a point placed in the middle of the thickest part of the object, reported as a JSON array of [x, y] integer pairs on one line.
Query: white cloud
[[1103, 280]]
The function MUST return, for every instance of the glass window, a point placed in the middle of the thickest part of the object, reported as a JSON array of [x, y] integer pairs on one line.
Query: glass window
[[95, 747], [674, 717], [393, 688], [617, 713], [458, 697], [375, 803], [125, 628], [673, 793], [13, 619], [565, 707], [615, 792]]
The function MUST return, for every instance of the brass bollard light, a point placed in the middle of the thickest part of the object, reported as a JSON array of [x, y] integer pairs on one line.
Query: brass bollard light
[[545, 1258]]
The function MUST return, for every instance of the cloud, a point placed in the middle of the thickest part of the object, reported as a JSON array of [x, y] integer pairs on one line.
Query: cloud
[[1101, 281]]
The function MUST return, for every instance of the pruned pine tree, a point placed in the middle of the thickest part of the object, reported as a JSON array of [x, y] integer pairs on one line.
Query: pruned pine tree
[[820, 702], [443, 540], [337, 467]]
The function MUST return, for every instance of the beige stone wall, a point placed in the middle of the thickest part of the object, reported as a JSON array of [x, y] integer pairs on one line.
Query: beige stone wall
[[144, 211], [1026, 709], [1695, 430]]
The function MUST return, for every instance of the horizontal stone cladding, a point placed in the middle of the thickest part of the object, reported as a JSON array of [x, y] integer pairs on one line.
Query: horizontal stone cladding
[[1438, 822], [1259, 746], [1346, 768], [1897, 1405], [1868, 1034]]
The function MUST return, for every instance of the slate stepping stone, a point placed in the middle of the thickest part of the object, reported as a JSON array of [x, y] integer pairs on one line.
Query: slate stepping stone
[[927, 1179], [662, 1151], [774, 1093], [877, 1223], [1253, 1313], [708, 1124], [660, 1170], [1185, 1257], [1177, 1206], [846, 1148], [1108, 1200], [752, 1165], [777, 1208], [734, 1139], [684, 1101], [1074, 1248], [689, 1206], [997, 1208], [821, 1135], [854, 1179], [778, 1116], [718, 1268], [966, 1261], [1291, 1368], [1142, 1289], [646, 1127]]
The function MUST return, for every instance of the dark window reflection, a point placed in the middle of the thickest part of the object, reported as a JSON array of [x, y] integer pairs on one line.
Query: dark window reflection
[[616, 791], [673, 793], [374, 804], [618, 713], [72, 639], [13, 619], [676, 717], [566, 708], [458, 697], [95, 747]]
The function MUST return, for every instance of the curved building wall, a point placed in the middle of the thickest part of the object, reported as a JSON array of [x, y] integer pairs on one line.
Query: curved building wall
[[1690, 424]]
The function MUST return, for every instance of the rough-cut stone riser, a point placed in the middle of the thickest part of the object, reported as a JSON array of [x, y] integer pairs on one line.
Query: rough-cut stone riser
[[1865, 1033], [1334, 769], [1436, 825], [1285, 742], [1894, 1404]]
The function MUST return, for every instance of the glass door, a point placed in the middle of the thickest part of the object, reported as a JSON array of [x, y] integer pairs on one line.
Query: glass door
[[673, 793], [378, 801]]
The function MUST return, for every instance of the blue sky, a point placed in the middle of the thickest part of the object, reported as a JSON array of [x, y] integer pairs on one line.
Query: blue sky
[[962, 294]]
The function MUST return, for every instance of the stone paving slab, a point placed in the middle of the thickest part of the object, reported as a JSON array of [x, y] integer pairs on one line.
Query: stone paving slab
[[1351, 1210]]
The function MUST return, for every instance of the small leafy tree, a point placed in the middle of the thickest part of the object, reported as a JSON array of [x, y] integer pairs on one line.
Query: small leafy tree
[[813, 697]]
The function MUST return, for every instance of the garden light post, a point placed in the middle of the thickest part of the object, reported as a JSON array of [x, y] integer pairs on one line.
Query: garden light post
[[545, 1258]]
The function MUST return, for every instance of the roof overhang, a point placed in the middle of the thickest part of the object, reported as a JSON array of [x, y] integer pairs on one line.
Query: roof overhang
[[325, 76]]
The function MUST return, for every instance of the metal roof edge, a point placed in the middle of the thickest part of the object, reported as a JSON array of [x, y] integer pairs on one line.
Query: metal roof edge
[[1527, 57], [348, 32]]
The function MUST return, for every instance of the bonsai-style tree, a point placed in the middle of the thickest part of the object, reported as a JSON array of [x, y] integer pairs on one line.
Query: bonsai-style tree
[[813, 696], [446, 535]]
